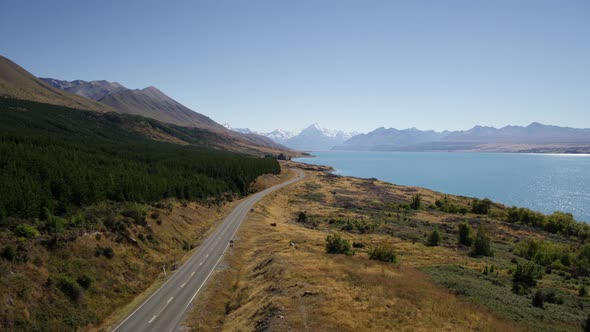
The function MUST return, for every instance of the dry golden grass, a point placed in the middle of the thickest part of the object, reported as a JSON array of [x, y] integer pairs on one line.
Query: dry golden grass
[[280, 278]]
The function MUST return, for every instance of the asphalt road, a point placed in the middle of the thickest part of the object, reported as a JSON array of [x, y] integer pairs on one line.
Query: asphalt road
[[164, 310]]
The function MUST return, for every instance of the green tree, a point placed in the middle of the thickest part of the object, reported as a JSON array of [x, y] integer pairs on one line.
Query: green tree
[[481, 244], [525, 277], [434, 238], [481, 206], [465, 236], [416, 202]]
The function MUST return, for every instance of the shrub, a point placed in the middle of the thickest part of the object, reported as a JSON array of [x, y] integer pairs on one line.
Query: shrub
[[481, 245], [416, 202], [335, 244], [107, 252], [69, 288], [8, 253], [302, 217], [582, 291], [84, 281], [525, 276], [538, 299], [383, 253], [26, 231], [586, 324], [434, 238], [465, 236], [135, 212], [481, 206], [358, 245]]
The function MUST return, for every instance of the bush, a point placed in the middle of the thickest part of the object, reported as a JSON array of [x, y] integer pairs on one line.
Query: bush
[[26, 231], [107, 252], [434, 238], [84, 281], [465, 236], [525, 276], [358, 245], [8, 253], [335, 244], [586, 324], [383, 253], [69, 288], [302, 217], [481, 206], [538, 299], [416, 202], [582, 291], [481, 245]]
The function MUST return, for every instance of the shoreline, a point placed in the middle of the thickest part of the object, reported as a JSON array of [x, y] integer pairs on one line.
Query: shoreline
[[331, 170]]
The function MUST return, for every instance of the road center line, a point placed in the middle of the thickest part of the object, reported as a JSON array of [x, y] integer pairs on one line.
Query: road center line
[[187, 280], [158, 314]]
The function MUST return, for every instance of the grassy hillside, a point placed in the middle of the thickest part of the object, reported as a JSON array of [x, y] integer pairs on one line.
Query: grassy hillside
[[89, 209], [55, 160], [16, 82], [407, 259]]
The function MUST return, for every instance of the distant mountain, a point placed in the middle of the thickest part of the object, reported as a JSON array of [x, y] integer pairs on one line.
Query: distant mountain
[[390, 139], [18, 83], [94, 90], [316, 138], [535, 137], [312, 138]]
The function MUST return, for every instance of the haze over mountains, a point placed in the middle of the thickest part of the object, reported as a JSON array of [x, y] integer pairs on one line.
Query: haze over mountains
[[535, 137], [312, 138]]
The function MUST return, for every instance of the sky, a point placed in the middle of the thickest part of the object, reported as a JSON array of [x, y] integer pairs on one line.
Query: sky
[[349, 65]]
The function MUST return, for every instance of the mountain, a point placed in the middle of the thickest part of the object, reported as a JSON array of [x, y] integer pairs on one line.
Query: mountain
[[152, 103], [535, 137], [384, 139], [18, 83], [316, 138], [94, 90], [312, 138]]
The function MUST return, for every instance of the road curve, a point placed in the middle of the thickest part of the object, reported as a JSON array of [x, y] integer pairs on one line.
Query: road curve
[[164, 310]]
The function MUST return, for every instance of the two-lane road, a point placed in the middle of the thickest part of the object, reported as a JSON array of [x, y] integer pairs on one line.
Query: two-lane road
[[164, 310]]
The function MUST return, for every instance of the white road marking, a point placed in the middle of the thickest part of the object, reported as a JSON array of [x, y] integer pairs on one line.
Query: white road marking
[[158, 314], [187, 280], [201, 263], [207, 256]]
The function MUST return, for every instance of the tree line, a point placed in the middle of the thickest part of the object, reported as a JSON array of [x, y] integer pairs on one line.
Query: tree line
[[58, 159]]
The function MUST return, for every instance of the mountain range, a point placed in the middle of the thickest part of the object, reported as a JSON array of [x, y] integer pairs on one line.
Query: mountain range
[[104, 97], [312, 138], [535, 137]]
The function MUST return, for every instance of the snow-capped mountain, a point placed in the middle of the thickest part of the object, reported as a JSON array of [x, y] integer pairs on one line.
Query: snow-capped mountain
[[312, 138]]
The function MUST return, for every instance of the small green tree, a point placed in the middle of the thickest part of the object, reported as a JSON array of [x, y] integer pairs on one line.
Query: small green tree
[[416, 202], [383, 253], [481, 206], [525, 277], [582, 291], [465, 236], [481, 245], [434, 238], [335, 244]]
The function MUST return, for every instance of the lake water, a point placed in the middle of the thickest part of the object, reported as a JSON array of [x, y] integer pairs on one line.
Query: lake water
[[542, 182]]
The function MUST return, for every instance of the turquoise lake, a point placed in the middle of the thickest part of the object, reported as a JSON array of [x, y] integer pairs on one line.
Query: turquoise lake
[[542, 182]]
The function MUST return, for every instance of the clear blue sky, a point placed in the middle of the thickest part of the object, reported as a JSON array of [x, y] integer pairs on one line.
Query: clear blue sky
[[352, 65]]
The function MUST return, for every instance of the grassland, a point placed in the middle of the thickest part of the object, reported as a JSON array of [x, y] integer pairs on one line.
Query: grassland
[[279, 277]]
